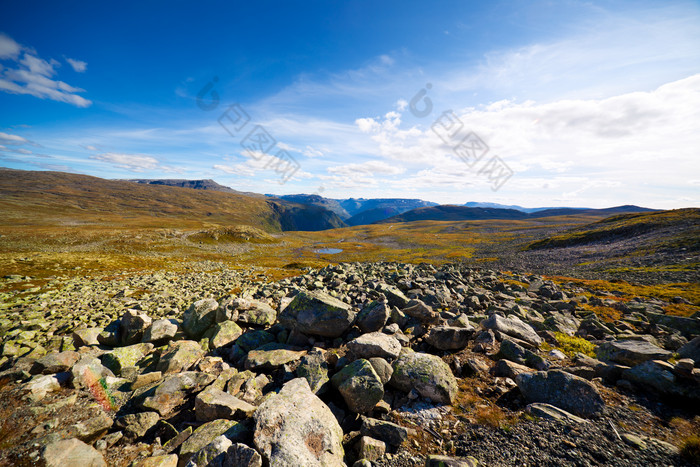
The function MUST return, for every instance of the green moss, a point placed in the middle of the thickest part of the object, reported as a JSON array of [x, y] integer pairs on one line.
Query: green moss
[[571, 345]]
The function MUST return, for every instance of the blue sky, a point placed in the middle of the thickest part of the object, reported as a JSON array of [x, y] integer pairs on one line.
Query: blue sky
[[534, 103]]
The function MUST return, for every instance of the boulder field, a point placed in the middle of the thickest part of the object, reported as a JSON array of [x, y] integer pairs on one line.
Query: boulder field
[[353, 364]]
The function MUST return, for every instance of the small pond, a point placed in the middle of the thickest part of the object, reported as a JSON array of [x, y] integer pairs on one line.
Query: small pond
[[328, 251]]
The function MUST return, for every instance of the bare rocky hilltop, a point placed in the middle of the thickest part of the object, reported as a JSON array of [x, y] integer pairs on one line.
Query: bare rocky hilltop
[[357, 364]]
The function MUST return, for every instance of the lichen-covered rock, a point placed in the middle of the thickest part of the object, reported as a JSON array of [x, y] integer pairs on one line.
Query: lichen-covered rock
[[223, 334], [449, 337], [256, 312], [314, 368], [659, 376], [166, 460], [425, 373], [561, 389], [87, 371], [391, 433], [122, 357], [173, 390], [252, 340], [137, 425], [359, 385], [383, 369], [393, 295], [295, 428], [317, 313], [179, 356], [199, 317], [631, 352], [86, 336], [375, 344], [417, 309]]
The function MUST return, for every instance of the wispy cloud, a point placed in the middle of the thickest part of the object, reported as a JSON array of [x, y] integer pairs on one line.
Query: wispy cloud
[[29, 74], [78, 65], [133, 162]]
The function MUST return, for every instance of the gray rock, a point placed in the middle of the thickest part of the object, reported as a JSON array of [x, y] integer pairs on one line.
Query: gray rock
[[383, 369], [271, 356], [691, 350], [132, 326], [199, 317], [174, 389], [69, 452], [211, 455], [137, 425], [436, 460], [561, 389], [223, 334], [252, 340], [373, 316], [449, 337], [161, 331], [391, 433], [213, 403], [166, 460], [508, 369], [425, 373], [370, 448], [393, 295], [83, 337], [295, 428], [179, 356], [207, 433], [359, 385], [122, 357], [317, 313], [88, 371], [256, 313], [55, 362], [314, 369], [553, 413], [631, 352], [375, 344], [417, 309], [512, 326], [240, 455], [658, 376]]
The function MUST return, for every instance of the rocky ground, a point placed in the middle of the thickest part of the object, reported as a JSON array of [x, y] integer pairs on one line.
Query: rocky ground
[[353, 364]]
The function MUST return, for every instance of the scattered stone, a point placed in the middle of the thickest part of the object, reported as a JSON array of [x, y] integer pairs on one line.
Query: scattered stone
[[161, 331], [122, 357], [435, 460], [553, 413], [167, 460], [55, 362], [207, 433], [370, 448], [633, 440], [179, 356], [391, 433], [383, 369], [137, 425], [373, 316], [257, 313], [224, 333], [240, 455], [420, 311], [314, 369], [513, 327], [199, 317], [83, 337], [133, 325], [271, 356]]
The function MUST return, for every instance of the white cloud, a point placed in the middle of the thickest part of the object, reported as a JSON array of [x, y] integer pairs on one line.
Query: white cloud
[[78, 65], [131, 162], [8, 47], [34, 76], [367, 168], [7, 138]]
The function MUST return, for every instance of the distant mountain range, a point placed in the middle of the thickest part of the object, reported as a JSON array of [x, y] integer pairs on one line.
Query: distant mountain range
[[475, 204]]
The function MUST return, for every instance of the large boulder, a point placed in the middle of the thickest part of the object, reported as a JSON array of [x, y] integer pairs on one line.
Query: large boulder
[[691, 350], [449, 337], [132, 326], [314, 368], [561, 389], [255, 312], [223, 334], [420, 311], [359, 385], [513, 327], [425, 373], [317, 313], [375, 344], [213, 403], [296, 428], [631, 352], [207, 433], [659, 376], [161, 331], [55, 362], [199, 317], [123, 357]]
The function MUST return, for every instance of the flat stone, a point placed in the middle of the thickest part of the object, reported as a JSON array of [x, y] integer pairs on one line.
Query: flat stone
[[137, 425], [72, 452], [179, 356], [167, 460], [436, 460], [223, 334], [373, 316], [449, 337], [359, 385], [55, 362], [512, 326], [370, 448], [375, 344], [553, 413], [213, 403], [199, 317], [206, 433], [391, 433], [122, 357], [561, 389], [161, 331], [83, 337], [631, 352], [271, 356]]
